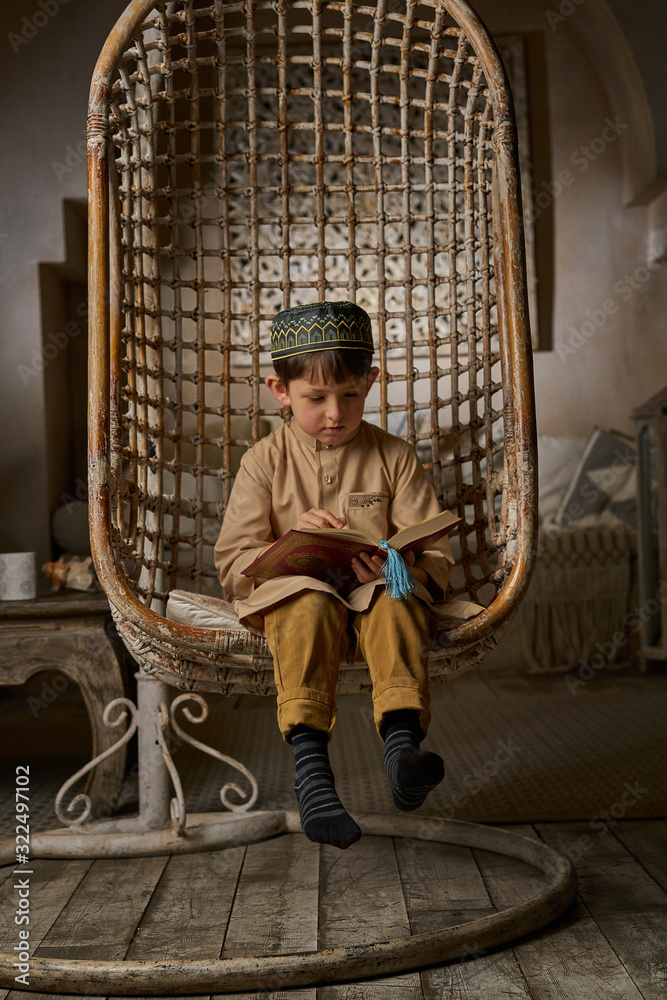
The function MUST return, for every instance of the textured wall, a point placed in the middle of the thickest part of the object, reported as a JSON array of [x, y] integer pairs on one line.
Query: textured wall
[[48, 55], [609, 352], [644, 26], [609, 348]]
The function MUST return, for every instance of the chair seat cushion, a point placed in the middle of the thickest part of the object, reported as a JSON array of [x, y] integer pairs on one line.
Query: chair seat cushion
[[202, 611]]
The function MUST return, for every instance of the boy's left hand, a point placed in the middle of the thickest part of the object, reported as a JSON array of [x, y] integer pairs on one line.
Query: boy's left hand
[[418, 573], [369, 569]]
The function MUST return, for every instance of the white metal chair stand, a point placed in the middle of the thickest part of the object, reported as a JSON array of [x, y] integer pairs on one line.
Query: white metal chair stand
[[161, 824], [245, 156], [162, 827]]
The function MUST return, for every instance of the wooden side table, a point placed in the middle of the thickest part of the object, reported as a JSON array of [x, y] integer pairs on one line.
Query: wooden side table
[[70, 632]]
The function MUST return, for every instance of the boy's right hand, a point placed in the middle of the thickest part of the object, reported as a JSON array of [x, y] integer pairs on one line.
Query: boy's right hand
[[315, 518]]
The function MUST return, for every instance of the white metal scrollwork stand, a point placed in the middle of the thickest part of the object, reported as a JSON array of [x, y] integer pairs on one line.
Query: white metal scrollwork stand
[[85, 799], [162, 824]]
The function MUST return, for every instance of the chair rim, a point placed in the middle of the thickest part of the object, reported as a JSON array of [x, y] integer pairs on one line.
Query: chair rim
[[104, 346]]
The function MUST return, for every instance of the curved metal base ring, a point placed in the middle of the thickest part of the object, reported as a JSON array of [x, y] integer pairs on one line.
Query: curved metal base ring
[[129, 837], [150, 978]]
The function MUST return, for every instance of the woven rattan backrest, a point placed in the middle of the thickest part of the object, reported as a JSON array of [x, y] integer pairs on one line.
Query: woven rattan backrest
[[276, 152]]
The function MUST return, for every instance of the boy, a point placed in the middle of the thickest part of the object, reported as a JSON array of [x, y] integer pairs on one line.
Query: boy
[[328, 467]]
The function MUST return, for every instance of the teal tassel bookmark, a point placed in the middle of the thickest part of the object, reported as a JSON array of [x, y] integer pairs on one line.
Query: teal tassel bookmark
[[399, 581]]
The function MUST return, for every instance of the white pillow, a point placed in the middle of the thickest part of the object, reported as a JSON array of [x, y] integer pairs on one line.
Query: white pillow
[[201, 611], [557, 460], [604, 480]]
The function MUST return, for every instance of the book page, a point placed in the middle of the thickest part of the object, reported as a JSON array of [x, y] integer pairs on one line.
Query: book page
[[346, 534], [424, 529], [403, 538]]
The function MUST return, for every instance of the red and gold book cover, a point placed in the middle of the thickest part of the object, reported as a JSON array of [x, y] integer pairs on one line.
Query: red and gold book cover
[[298, 552], [328, 557]]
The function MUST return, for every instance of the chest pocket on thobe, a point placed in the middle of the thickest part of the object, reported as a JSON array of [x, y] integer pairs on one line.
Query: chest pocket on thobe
[[368, 512]]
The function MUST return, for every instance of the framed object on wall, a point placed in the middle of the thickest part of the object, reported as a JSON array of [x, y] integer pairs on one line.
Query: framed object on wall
[[524, 59], [651, 420]]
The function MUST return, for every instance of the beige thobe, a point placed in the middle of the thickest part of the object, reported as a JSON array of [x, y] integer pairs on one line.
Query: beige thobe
[[375, 480]]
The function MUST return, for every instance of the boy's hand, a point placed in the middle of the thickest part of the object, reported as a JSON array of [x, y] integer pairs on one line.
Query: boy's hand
[[417, 572], [315, 518], [367, 567]]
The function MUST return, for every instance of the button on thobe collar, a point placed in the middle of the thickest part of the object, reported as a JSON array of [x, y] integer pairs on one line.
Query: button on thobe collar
[[315, 443], [326, 457]]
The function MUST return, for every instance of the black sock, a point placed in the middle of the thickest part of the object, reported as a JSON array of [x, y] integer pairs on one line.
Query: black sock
[[323, 817], [412, 772]]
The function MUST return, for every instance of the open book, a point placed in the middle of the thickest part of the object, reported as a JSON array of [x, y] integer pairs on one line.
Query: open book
[[326, 553]]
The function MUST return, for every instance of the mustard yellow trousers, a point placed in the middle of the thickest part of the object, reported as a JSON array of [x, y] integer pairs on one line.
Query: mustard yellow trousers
[[310, 634]]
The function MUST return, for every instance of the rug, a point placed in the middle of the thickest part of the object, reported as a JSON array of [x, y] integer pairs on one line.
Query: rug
[[517, 748]]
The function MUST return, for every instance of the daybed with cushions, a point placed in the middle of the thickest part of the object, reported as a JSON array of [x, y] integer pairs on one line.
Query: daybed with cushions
[[580, 595]]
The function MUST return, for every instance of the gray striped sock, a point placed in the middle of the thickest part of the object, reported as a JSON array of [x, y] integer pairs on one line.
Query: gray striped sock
[[412, 772], [323, 817]]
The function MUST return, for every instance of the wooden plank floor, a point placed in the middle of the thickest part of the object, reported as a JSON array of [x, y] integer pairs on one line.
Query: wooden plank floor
[[287, 895]]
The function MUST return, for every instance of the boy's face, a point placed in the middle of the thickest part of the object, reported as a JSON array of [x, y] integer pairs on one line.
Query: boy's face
[[329, 412]]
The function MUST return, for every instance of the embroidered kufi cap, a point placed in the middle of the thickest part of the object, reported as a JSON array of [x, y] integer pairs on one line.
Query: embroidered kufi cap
[[322, 326]]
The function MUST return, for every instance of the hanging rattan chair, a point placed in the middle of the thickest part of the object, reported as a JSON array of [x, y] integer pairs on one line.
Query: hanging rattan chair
[[248, 156], [245, 157]]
